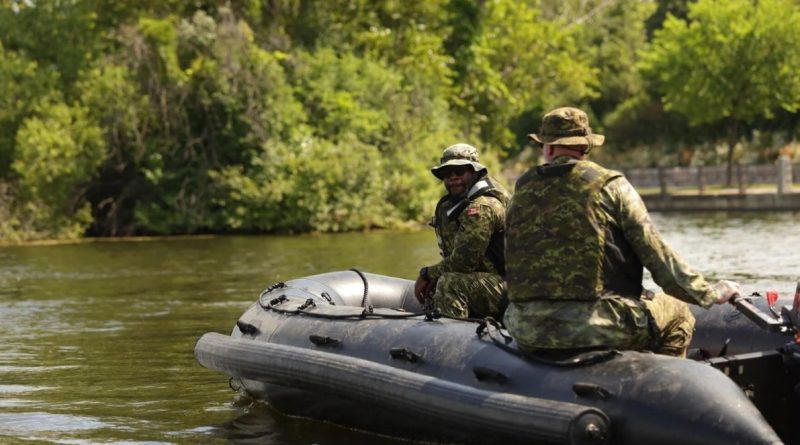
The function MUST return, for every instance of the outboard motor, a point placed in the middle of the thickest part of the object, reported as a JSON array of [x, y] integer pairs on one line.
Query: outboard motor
[[770, 378], [791, 352]]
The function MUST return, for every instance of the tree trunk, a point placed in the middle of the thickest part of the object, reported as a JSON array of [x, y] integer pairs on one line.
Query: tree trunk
[[733, 136]]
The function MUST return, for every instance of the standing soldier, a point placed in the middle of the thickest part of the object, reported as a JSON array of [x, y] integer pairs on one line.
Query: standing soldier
[[469, 221], [577, 239]]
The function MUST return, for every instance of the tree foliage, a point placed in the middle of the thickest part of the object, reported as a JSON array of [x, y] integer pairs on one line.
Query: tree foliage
[[734, 61], [519, 63], [58, 150], [162, 117]]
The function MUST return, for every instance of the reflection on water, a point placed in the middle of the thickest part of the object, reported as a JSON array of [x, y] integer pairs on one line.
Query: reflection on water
[[259, 424], [98, 337], [761, 251], [34, 422]]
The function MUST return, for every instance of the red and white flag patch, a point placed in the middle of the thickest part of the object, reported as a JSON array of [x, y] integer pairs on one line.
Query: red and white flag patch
[[473, 211]]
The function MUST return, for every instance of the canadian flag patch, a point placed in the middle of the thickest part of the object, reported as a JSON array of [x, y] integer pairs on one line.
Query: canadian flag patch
[[474, 211]]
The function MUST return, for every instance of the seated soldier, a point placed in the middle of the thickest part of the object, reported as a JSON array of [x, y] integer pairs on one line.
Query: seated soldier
[[577, 238], [469, 220]]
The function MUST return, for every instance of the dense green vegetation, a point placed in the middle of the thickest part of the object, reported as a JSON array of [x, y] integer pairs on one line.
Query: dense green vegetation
[[165, 117]]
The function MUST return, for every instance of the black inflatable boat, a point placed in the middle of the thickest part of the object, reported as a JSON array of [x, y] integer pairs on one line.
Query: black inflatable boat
[[355, 349]]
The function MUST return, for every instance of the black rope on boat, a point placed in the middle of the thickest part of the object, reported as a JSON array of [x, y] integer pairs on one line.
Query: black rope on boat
[[579, 360], [278, 285], [429, 315], [309, 303], [490, 321], [274, 302], [429, 312], [327, 298], [358, 316], [368, 309]]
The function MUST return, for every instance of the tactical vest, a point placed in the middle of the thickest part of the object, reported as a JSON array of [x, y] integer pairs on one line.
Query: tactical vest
[[559, 242], [449, 211]]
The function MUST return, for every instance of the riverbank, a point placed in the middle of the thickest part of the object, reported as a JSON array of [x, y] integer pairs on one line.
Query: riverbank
[[722, 200]]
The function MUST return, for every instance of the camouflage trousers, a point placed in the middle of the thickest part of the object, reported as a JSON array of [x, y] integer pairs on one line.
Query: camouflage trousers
[[462, 295], [662, 324], [674, 324]]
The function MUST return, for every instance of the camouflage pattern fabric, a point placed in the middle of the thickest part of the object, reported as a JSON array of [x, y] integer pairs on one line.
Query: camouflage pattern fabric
[[463, 295], [464, 243], [615, 321], [465, 239], [675, 324], [569, 260], [458, 154], [567, 126]]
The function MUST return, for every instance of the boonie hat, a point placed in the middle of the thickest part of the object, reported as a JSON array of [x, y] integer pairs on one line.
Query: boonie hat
[[458, 154], [567, 126]]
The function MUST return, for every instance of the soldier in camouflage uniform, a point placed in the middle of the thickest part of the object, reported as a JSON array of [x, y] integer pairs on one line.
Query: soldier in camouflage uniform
[[469, 223], [577, 239]]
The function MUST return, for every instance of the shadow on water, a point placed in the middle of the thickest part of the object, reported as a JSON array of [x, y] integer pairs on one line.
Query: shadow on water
[[260, 424]]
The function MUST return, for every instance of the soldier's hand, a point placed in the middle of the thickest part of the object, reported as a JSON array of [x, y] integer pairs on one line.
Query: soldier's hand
[[726, 290], [420, 287]]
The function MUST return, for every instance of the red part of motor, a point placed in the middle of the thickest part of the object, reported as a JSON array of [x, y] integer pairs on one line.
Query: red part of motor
[[772, 297]]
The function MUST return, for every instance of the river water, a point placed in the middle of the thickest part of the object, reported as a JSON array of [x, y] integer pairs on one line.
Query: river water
[[97, 338]]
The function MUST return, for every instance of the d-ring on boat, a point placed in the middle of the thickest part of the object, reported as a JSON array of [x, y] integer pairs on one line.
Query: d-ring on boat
[[356, 349]]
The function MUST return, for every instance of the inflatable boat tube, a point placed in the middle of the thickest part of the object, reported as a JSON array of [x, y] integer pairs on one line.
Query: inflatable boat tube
[[347, 347]]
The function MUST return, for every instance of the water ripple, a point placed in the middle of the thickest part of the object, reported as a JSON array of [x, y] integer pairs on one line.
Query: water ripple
[[15, 423]]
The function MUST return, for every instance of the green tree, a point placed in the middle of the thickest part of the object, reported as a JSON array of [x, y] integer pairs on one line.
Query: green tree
[[112, 99], [666, 8], [58, 152], [59, 35], [611, 34], [22, 84], [215, 99], [520, 63], [730, 62]]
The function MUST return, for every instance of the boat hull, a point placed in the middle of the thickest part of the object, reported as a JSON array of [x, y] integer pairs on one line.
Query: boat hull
[[440, 380]]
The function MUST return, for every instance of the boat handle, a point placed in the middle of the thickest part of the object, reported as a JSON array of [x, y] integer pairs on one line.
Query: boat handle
[[406, 354], [590, 391], [483, 373], [246, 328], [321, 340]]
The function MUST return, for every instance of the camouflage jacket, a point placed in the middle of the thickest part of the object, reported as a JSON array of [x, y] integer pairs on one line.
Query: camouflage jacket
[[545, 323], [464, 240], [568, 238]]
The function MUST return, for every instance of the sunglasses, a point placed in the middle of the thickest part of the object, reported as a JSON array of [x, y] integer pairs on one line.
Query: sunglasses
[[458, 170]]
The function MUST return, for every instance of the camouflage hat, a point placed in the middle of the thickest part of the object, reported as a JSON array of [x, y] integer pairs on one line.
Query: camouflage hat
[[567, 126], [458, 154]]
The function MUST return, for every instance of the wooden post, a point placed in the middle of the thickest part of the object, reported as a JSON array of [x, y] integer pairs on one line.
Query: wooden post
[[784, 175], [662, 180], [701, 183], [741, 178]]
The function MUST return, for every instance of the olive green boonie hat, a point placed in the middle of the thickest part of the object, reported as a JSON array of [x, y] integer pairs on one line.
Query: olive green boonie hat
[[458, 154], [567, 126]]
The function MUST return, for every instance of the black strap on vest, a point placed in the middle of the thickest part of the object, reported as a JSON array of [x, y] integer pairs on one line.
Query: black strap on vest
[[496, 251], [482, 187]]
